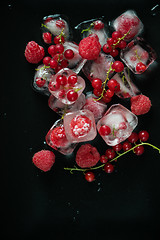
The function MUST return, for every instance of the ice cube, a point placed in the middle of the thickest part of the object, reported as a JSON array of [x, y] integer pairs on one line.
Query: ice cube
[[80, 126], [127, 88], [121, 122], [93, 26], [61, 91], [56, 138], [76, 63], [98, 108], [62, 108], [55, 24], [42, 78], [138, 51], [128, 21], [98, 68]]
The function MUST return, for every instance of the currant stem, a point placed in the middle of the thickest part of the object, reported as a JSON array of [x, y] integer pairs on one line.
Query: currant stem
[[88, 29], [114, 159], [119, 39]]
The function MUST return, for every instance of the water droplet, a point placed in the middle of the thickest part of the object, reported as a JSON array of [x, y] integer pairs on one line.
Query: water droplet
[[74, 219], [155, 10], [77, 212]]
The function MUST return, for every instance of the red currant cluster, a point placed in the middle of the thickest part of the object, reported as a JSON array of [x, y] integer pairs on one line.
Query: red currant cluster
[[99, 87], [116, 41], [111, 154], [65, 86]]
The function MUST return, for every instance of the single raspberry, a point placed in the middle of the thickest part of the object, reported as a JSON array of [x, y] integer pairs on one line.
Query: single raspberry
[[34, 53], [87, 156], [58, 137], [44, 160], [89, 48], [140, 104], [80, 125]]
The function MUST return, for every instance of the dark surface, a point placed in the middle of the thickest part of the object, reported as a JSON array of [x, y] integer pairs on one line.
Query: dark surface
[[57, 205]]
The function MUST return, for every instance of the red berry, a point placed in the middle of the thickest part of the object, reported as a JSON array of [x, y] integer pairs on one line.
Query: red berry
[[113, 85], [118, 66], [110, 153], [47, 37], [69, 54], [97, 83], [58, 137], [51, 50], [44, 160], [40, 82], [117, 147], [89, 176], [122, 44], [104, 130], [46, 61], [98, 24], [72, 79], [103, 159], [60, 24], [114, 52], [140, 104], [97, 92], [64, 63], [53, 86], [59, 39], [139, 150], [140, 67], [53, 63], [61, 80], [72, 95], [58, 57], [107, 48], [59, 48], [126, 146], [110, 41], [62, 93], [116, 35], [133, 137], [109, 93], [34, 53], [108, 168], [143, 135], [106, 98]]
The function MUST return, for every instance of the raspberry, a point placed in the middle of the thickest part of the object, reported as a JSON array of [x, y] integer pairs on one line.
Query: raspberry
[[44, 160], [140, 104], [80, 125], [58, 137], [87, 156], [34, 53], [89, 48]]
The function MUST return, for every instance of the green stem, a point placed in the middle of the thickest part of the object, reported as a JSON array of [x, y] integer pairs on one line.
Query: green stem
[[122, 38], [114, 159], [88, 29]]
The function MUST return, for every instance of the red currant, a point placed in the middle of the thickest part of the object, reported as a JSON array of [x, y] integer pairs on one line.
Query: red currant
[[143, 135], [110, 153], [116, 35], [47, 37], [109, 93], [98, 24], [107, 48], [53, 86], [140, 67], [106, 99], [117, 147], [104, 130], [53, 63], [108, 168], [113, 85], [114, 52], [133, 137], [61, 80], [89, 176], [59, 48], [46, 61], [62, 93], [97, 92], [122, 44], [59, 39], [51, 50], [60, 24], [40, 82], [103, 159], [97, 83], [64, 63], [72, 79], [110, 41], [72, 95], [139, 150], [127, 146], [69, 54], [118, 66]]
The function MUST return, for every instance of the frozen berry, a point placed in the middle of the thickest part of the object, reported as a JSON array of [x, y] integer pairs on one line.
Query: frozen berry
[[87, 156], [34, 53], [98, 24], [72, 79], [72, 95], [80, 125], [44, 160], [47, 37], [58, 137], [40, 82], [69, 54], [104, 130]]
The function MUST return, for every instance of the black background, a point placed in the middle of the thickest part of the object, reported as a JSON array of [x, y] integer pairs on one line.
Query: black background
[[56, 204]]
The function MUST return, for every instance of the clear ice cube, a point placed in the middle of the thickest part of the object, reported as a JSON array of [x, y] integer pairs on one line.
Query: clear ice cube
[[62, 108], [42, 78], [98, 68], [56, 138], [80, 126], [127, 88], [55, 24], [98, 108], [121, 121], [62, 91], [88, 27], [138, 50], [128, 21]]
